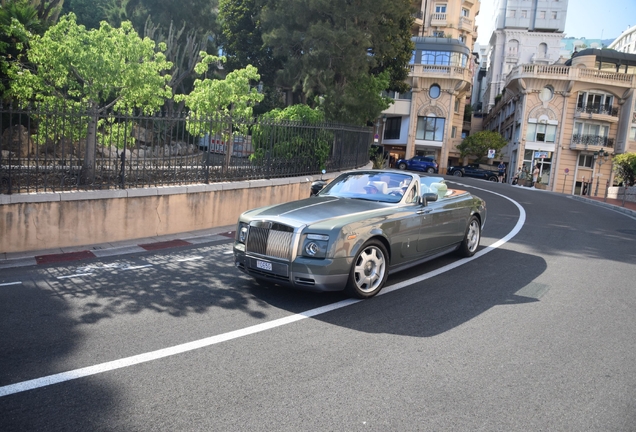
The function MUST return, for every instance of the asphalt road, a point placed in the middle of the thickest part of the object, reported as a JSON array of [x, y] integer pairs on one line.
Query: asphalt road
[[538, 333]]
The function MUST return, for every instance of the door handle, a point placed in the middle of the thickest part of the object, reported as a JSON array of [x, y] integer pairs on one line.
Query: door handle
[[425, 211]]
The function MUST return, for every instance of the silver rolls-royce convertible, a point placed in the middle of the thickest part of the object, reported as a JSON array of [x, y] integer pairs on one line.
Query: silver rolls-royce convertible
[[362, 226]]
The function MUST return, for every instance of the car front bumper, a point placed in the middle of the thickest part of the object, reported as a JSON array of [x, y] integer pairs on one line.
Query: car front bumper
[[302, 273]]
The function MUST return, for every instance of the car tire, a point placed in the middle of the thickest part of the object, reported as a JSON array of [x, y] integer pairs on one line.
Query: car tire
[[458, 173], [430, 170], [493, 179], [402, 166], [470, 243], [369, 270]]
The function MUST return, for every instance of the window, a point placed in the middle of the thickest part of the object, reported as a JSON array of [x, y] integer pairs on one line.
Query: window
[[546, 94], [541, 14], [440, 8], [595, 103], [392, 128], [590, 133], [462, 39], [434, 91], [456, 105], [585, 161], [632, 133], [430, 128], [541, 132], [438, 33], [454, 132], [524, 14], [554, 15], [444, 58], [511, 14], [465, 12]]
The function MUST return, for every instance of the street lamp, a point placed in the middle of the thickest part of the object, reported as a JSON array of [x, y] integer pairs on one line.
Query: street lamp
[[600, 157]]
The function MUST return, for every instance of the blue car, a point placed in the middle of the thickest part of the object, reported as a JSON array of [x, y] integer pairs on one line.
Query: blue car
[[418, 163]]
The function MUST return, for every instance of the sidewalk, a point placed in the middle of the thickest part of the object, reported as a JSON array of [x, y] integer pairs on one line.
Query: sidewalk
[[75, 253]]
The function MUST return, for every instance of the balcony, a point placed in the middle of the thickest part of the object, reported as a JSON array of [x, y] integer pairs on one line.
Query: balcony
[[469, 3], [596, 112], [465, 24], [438, 20], [418, 18], [590, 142], [594, 76], [440, 71]]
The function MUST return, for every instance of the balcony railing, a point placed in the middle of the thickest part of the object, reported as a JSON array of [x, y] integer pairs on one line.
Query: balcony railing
[[422, 70], [438, 19], [465, 24], [570, 73], [593, 140], [418, 15], [596, 109]]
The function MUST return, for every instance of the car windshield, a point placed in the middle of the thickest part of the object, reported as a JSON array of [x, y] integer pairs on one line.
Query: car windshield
[[373, 186]]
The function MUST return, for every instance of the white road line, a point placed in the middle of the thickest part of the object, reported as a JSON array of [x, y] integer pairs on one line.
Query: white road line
[[135, 267], [190, 259], [74, 275], [10, 283], [213, 340]]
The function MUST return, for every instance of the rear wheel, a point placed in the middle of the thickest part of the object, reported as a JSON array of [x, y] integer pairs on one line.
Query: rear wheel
[[430, 170], [457, 173], [493, 179], [369, 271], [469, 245], [402, 166]]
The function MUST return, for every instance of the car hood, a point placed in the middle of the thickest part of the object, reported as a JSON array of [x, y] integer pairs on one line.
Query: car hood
[[312, 210]]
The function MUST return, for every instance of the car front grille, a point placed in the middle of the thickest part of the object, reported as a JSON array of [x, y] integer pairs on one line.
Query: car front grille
[[270, 239]]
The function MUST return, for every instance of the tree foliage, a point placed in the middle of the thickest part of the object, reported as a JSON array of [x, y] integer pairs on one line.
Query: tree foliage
[[101, 68], [477, 145], [625, 168], [330, 53]]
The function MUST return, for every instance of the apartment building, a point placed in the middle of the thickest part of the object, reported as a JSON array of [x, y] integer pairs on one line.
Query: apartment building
[[526, 32], [569, 119], [429, 120], [626, 42]]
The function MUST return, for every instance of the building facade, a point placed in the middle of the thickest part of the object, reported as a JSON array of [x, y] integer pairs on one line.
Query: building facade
[[429, 120], [569, 119], [626, 42], [526, 32]]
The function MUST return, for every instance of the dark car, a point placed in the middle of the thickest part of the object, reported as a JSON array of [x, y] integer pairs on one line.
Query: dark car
[[418, 163], [362, 226], [473, 170]]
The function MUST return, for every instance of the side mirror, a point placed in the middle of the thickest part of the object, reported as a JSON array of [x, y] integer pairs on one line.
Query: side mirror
[[429, 197]]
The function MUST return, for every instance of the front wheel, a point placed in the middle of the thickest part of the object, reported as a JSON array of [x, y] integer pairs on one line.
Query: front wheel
[[457, 173], [369, 271], [430, 170], [493, 179], [469, 245], [402, 166]]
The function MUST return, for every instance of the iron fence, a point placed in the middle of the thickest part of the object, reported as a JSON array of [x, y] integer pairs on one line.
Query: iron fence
[[52, 150]]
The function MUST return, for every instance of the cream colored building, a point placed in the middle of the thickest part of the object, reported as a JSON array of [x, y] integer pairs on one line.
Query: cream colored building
[[626, 42], [569, 119], [429, 119]]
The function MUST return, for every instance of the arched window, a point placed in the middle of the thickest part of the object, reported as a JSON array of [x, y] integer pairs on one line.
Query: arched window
[[513, 47], [542, 51]]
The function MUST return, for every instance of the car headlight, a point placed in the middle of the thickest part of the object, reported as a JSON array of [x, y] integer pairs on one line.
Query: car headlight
[[241, 233], [315, 246]]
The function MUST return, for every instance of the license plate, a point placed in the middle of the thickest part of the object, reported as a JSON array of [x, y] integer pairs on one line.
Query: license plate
[[264, 265]]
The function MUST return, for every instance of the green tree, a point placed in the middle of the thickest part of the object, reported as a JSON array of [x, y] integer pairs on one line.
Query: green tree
[[96, 69], [213, 103], [242, 41], [332, 51], [89, 12], [625, 168], [476, 146]]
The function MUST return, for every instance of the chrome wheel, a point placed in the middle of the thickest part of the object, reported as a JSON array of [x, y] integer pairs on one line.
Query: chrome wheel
[[469, 245], [368, 271], [457, 173]]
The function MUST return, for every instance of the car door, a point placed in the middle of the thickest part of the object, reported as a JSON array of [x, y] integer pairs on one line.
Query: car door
[[440, 225]]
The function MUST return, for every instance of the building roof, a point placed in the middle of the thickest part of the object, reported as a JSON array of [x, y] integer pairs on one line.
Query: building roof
[[440, 44], [607, 56]]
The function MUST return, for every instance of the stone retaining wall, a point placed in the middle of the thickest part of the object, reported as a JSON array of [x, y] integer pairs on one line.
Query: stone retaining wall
[[619, 192], [31, 222]]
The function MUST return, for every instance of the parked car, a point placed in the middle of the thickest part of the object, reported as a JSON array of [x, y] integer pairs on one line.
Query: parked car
[[361, 227], [473, 170], [418, 163]]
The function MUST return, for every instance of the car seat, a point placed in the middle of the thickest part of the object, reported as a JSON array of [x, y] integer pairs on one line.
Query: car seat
[[381, 186]]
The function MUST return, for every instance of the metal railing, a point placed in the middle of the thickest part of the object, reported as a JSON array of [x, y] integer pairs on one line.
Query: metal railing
[[594, 140], [52, 150], [598, 109]]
